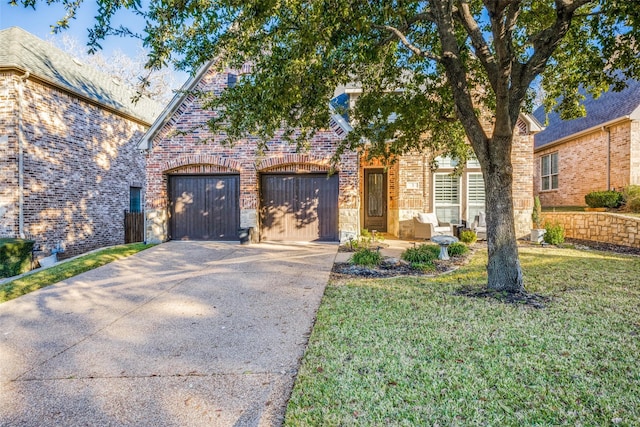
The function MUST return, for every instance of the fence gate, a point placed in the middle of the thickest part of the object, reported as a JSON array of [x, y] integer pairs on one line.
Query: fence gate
[[133, 227]]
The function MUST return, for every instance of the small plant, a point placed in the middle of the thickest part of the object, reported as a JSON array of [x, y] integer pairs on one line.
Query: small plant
[[631, 196], [554, 234], [366, 257], [421, 254], [457, 249], [604, 199], [536, 214], [468, 236], [423, 266]]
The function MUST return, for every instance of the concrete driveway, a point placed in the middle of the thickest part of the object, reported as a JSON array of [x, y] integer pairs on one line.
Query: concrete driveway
[[182, 334]]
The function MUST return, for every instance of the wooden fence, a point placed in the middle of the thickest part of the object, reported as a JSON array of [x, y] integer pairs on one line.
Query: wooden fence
[[133, 227]]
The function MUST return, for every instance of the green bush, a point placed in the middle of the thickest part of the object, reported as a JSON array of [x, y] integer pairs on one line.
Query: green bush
[[15, 256], [631, 196], [366, 257], [468, 236], [421, 254], [457, 249], [554, 234], [603, 199]]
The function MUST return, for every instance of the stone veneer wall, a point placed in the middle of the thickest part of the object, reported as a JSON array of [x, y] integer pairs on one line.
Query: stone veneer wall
[[598, 226], [582, 164], [194, 145], [79, 162]]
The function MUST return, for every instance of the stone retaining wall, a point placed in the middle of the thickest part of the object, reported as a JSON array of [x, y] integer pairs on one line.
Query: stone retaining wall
[[598, 226]]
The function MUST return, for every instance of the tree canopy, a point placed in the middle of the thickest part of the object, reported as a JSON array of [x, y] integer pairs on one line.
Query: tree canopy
[[433, 66]]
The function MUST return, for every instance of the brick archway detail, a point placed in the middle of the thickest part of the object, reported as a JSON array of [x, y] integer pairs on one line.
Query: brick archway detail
[[222, 164], [293, 162]]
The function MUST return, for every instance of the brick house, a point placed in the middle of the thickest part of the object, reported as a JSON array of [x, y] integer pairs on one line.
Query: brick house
[[199, 190], [69, 164], [600, 151]]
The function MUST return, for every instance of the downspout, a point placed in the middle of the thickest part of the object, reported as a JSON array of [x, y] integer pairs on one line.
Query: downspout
[[608, 131], [21, 144]]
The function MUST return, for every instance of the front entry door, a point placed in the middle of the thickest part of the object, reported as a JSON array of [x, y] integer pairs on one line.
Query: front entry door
[[375, 200]]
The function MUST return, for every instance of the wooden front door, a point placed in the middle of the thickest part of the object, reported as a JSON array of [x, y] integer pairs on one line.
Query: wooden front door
[[375, 200]]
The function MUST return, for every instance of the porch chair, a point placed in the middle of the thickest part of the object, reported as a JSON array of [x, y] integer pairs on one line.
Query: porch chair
[[427, 225], [479, 225]]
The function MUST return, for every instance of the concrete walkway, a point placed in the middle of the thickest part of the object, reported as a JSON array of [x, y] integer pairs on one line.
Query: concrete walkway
[[182, 334]]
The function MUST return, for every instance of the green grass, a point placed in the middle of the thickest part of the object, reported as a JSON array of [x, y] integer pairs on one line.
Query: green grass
[[40, 279], [411, 351]]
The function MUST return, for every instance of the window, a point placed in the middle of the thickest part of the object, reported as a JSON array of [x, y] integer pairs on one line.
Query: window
[[549, 172], [135, 199], [446, 162], [475, 196], [447, 197]]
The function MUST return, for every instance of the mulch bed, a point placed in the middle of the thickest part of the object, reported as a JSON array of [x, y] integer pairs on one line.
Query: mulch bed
[[599, 246]]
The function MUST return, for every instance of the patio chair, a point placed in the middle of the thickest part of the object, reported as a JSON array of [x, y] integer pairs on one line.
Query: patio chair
[[479, 225], [427, 225]]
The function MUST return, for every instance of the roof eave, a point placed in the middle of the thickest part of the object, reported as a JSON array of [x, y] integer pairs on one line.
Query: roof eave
[[582, 133], [49, 82]]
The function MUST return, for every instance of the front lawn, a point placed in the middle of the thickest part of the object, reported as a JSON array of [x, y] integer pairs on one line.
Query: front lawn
[[414, 351], [57, 273]]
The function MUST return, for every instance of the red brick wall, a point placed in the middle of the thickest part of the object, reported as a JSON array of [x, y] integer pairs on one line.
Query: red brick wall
[[582, 165], [79, 162], [8, 156], [185, 141]]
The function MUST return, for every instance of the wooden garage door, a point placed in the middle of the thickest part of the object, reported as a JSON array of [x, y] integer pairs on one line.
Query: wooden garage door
[[302, 207], [204, 207]]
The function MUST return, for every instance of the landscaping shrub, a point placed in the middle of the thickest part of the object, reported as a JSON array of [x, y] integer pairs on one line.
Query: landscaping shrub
[[366, 257], [457, 249], [421, 254], [631, 196], [536, 214], [603, 199], [468, 236], [554, 234], [15, 256]]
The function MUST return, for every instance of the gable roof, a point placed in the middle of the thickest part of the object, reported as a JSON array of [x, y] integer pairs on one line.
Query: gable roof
[[609, 107], [338, 124], [22, 51]]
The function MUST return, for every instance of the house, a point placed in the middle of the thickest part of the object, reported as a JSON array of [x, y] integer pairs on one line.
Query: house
[[600, 151], [69, 164], [207, 190]]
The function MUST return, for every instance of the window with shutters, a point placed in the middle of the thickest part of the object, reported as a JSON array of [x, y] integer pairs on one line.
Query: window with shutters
[[475, 195], [549, 172], [447, 197]]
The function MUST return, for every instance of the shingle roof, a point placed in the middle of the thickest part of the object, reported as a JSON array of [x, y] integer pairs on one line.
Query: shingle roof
[[608, 107], [22, 50]]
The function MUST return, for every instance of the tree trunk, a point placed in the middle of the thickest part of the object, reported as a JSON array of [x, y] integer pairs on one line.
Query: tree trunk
[[505, 273]]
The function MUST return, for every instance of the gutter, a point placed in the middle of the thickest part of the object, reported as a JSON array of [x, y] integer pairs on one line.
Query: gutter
[[582, 133], [21, 144], [608, 131]]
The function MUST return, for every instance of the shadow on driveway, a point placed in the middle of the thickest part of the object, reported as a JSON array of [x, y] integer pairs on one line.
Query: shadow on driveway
[[184, 334]]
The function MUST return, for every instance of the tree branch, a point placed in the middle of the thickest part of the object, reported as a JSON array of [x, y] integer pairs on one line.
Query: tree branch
[[403, 39]]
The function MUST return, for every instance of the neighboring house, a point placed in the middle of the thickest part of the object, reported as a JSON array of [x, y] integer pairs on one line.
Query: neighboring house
[[205, 190], [69, 164], [600, 151]]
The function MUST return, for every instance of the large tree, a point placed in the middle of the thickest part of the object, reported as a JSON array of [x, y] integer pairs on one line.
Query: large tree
[[429, 70]]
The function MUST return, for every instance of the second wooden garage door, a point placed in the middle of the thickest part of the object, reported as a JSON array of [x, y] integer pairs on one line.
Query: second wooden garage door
[[204, 207], [299, 207]]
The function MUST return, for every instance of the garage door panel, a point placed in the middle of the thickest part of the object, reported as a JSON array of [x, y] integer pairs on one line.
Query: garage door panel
[[204, 207], [299, 207]]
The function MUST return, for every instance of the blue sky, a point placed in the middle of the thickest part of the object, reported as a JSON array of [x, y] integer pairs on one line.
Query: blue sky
[[39, 21]]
